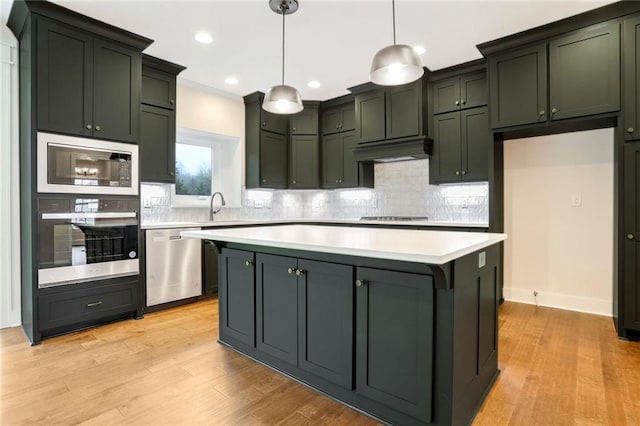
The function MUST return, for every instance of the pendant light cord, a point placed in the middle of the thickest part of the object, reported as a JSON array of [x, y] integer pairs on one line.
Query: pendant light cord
[[393, 13], [283, 8]]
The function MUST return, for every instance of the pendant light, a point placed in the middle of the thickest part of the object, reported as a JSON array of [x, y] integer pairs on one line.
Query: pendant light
[[396, 64], [283, 99]]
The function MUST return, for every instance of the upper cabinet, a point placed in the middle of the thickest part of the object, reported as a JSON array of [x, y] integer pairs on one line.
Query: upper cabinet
[[395, 112], [454, 94], [631, 74], [338, 119], [304, 148], [158, 120], [579, 76], [86, 85]]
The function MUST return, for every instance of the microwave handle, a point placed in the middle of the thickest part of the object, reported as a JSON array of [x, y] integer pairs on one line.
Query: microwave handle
[[89, 215]]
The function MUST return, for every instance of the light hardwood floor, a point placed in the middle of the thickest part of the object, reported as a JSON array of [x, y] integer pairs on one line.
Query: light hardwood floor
[[558, 368]]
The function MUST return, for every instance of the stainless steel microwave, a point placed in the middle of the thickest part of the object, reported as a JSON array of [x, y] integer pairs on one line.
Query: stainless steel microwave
[[68, 164]]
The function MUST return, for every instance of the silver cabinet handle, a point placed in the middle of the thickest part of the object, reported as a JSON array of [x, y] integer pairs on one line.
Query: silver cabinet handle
[[457, 173], [294, 129], [89, 126], [463, 102], [541, 112], [630, 130], [92, 304], [291, 271], [299, 272], [248, 262], [464, 172], [98, 128], [294, 182], [360, 283], [630, 236], [554, 110], [457, 103], [172, 102]]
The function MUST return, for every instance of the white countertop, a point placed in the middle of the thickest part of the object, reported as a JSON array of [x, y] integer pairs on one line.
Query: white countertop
[[207, 224], [422, 246]]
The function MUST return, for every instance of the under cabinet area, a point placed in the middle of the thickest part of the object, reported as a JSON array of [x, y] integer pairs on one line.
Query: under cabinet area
[[579, 76], [87, 85]]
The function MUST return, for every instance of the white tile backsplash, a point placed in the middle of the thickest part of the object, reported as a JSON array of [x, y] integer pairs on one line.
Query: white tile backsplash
[[400, 189]]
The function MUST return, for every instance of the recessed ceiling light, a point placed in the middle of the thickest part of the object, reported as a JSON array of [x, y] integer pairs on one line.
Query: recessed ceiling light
[[419, 50], [231, 80], [204, 38], [313, 84]]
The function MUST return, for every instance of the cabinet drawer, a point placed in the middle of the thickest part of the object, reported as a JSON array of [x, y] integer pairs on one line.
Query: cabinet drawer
[[76, 306]]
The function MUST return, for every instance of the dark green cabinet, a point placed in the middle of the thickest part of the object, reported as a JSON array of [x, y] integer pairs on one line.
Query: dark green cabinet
[[267, 145], [209, 268], [157, 144], [579, 77], [631, 74], [338, 119], [629, 298], [86, 85], [454, 94], [390, 113], [339, 166], [394, 321], [304, 315], [237, 295], [305, 122], [304, 162], [461, 146], [158, 120]]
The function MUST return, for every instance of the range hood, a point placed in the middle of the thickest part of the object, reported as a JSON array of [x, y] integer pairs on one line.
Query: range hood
[[393, 150]]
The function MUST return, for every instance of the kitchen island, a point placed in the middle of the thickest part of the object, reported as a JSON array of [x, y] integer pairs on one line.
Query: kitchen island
[[399, 324]]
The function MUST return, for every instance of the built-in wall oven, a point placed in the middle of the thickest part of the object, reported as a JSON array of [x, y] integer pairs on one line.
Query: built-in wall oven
[[84, 238], [72, 165]]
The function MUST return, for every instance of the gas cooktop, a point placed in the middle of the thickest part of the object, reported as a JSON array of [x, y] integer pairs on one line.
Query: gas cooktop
[[395, 218]]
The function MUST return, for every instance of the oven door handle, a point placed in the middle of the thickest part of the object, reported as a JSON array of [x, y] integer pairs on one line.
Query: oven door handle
[[88, 215]]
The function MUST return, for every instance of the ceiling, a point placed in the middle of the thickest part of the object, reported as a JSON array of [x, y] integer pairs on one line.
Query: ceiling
[[332, 42]]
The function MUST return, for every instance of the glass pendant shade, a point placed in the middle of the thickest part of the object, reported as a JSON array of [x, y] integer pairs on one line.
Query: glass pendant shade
[[282, 99], [396, 64]]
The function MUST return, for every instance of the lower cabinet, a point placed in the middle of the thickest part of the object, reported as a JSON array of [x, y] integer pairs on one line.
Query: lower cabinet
[[209, 268], [237, 295], [60, 307], [394, 316], [629, 297]]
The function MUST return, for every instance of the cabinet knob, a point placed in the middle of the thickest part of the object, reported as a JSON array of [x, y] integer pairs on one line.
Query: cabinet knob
[[291, 271], [360, 283], [541, 113], [464, 172], [172, 101], [457, 173], [463, 102], [299, 272], [264, 181], [98, 128], [170, 173], [294, 129], [630, 130], [294, 182], [263, 124], [337, 126], [554, 110], [457, 103], [337, 181], [88, 126], [249, 262], [630, 236]]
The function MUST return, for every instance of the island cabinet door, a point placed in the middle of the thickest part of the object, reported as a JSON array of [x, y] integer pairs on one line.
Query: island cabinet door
[[277, 306], [237, 296], [394, 340], [325, 321]]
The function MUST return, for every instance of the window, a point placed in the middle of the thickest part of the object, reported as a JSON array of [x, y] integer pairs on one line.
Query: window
[[205, 163]]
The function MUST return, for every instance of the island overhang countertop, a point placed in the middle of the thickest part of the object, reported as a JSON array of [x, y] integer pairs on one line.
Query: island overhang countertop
[[409, 245]]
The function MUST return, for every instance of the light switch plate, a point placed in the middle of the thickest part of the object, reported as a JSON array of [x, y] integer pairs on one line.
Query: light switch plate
[[482, 259]]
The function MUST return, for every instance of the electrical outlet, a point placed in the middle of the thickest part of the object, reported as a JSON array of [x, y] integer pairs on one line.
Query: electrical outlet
[[576, 200], [147, 202], [482, 259]]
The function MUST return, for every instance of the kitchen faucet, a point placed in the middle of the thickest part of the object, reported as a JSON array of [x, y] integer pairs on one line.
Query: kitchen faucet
[[211, 211]]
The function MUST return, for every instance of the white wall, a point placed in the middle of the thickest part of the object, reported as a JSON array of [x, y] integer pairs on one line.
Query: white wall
[[562, 251], [9, 182]]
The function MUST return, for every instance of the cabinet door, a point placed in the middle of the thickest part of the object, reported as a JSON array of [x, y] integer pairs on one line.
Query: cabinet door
[[275, 123], [351, 169], [584, 72], [158, 88], [631, 229], [277, 307], [403, 111], [273, 160], [64, 79], [473, 90], [631, 78], [304, 162], [445, 161], [331, 161], [446, 95], [370, 113], [394, 349], [209, 268], [518, 87], [330, 121], [325, 321], [476, 139], [237, 296], [157, 144], [116, 89], [348, 117], [305, 122]]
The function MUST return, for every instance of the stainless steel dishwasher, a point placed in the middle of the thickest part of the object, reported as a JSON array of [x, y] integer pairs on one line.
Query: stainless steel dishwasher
[[174, 265]]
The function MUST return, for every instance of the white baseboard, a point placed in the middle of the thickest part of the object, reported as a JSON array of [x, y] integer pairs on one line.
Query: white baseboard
[[560, 301]]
